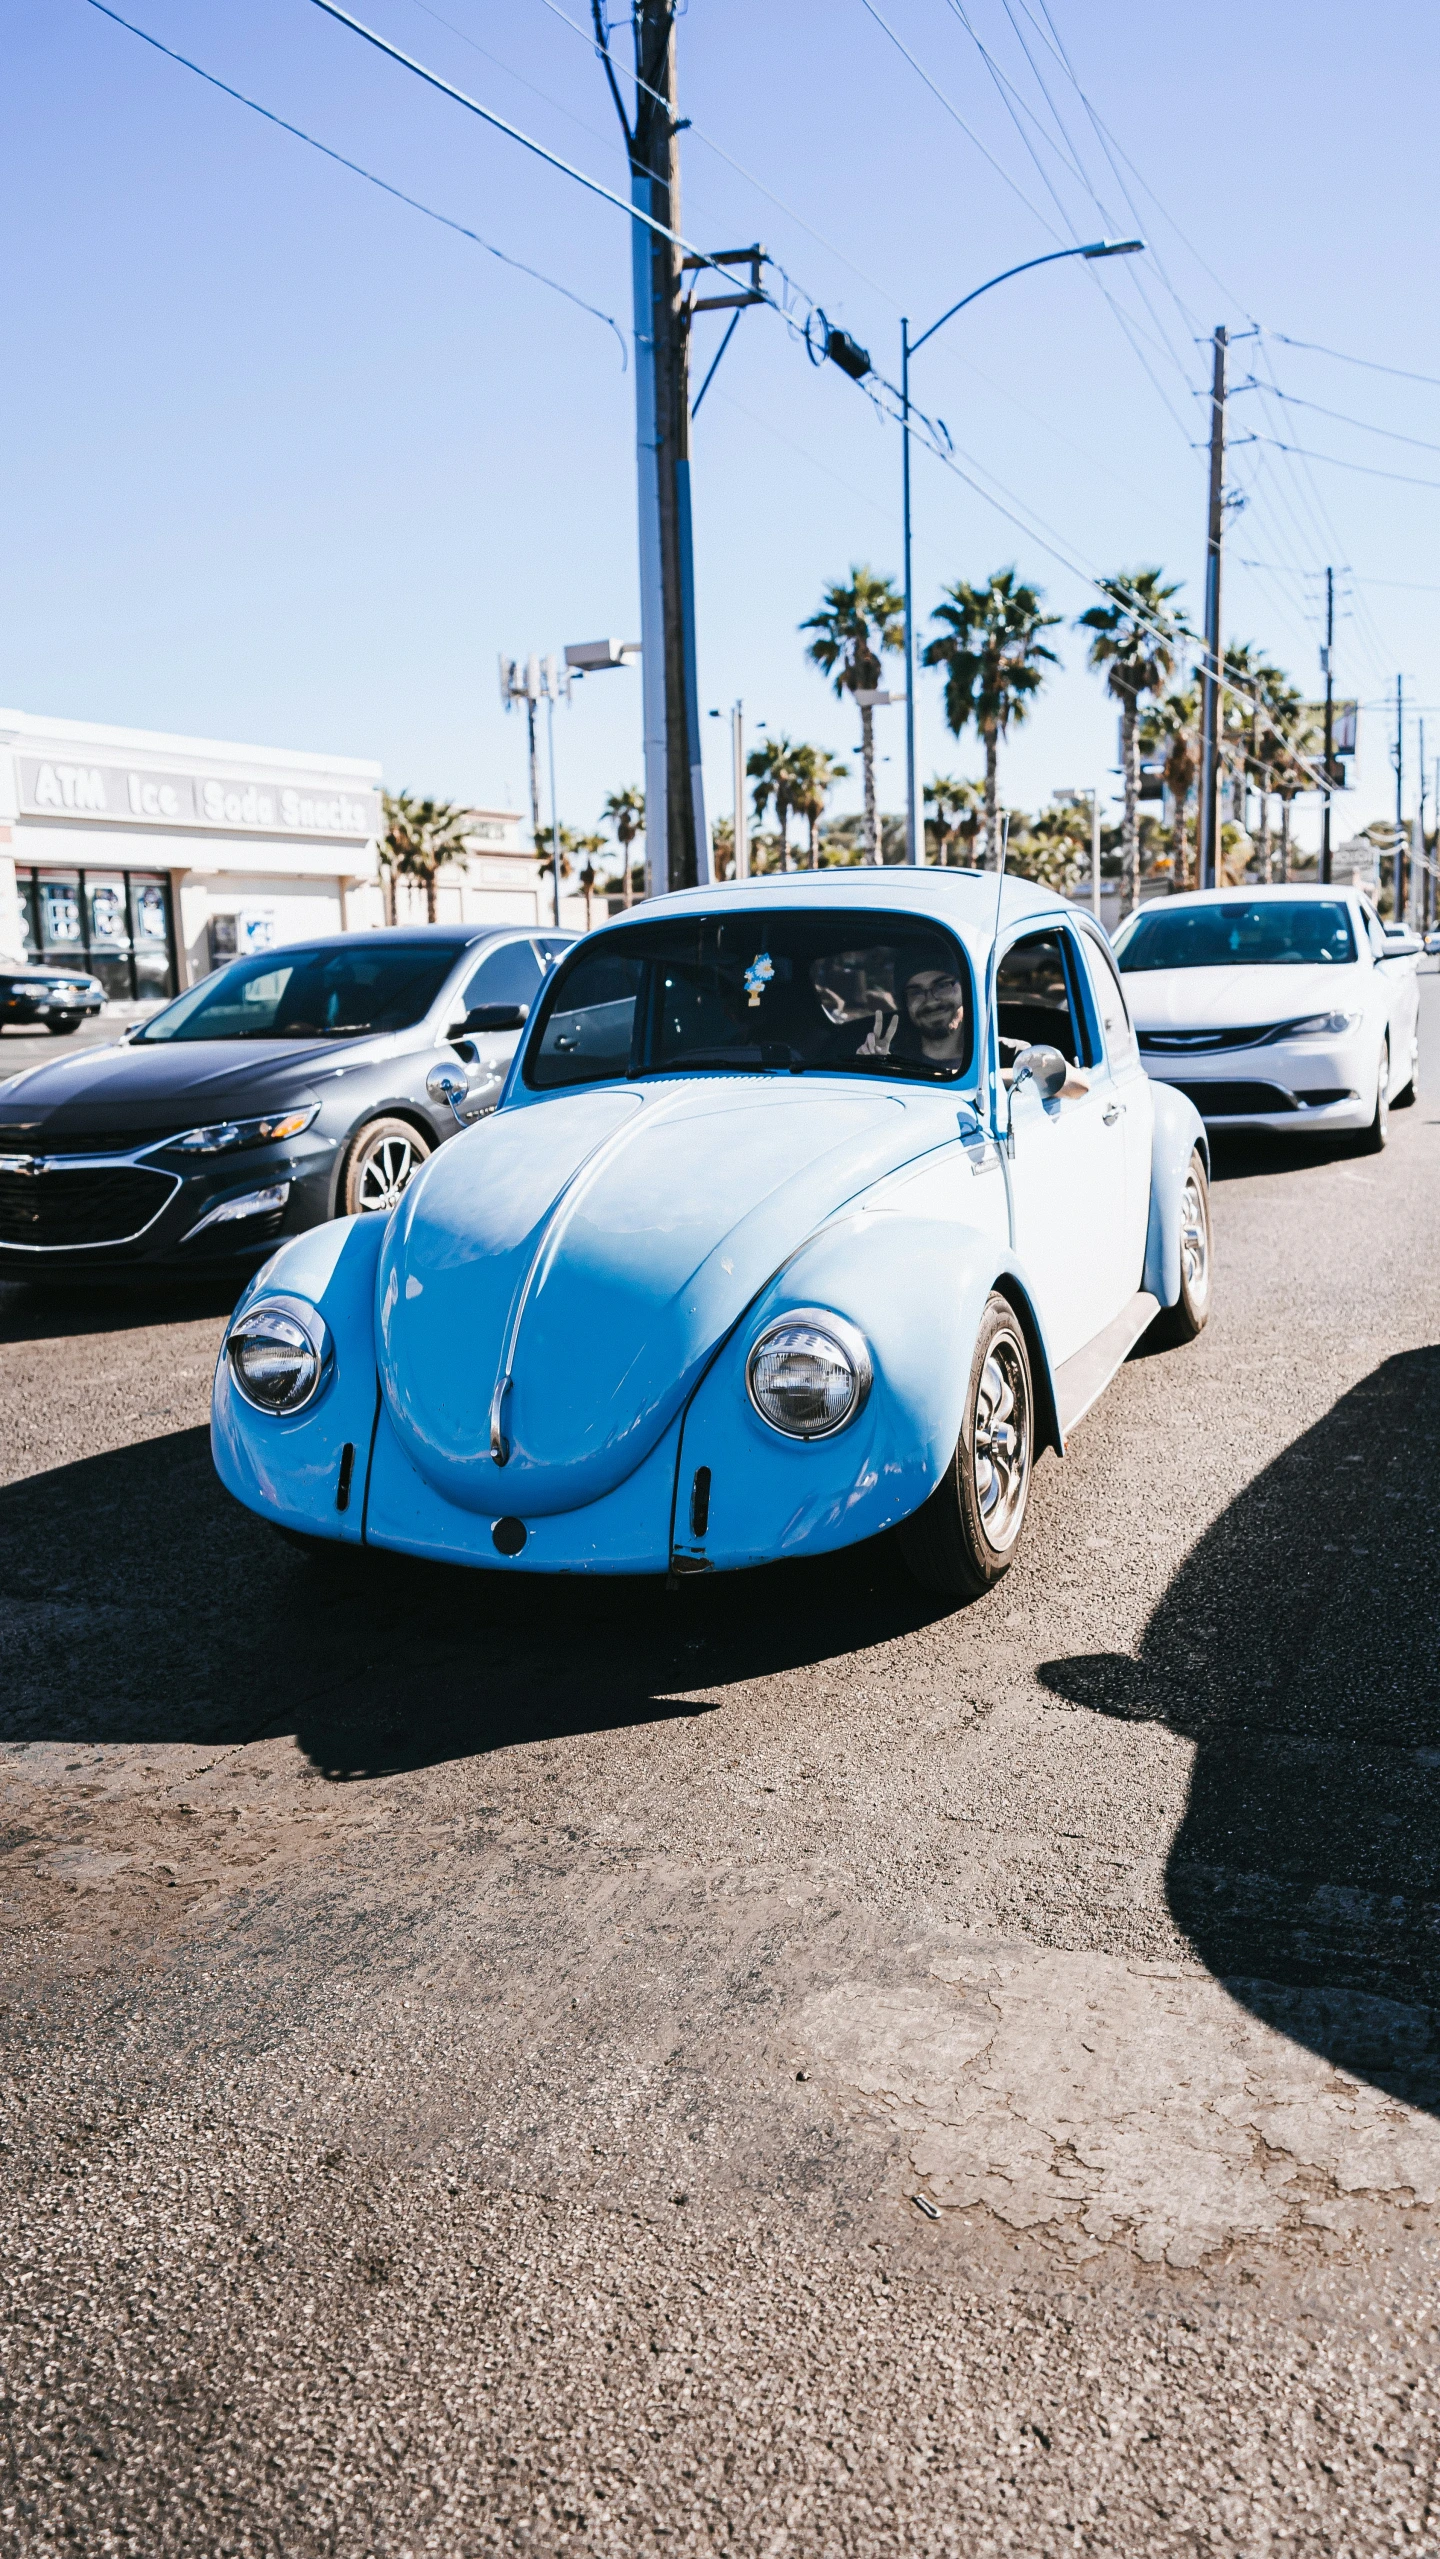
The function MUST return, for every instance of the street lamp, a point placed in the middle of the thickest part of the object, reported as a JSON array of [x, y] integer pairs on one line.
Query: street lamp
[[914, 835], [540, 680]]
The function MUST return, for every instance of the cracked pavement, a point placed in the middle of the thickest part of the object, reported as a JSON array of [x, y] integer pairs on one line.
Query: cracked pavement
[[472, 2051]]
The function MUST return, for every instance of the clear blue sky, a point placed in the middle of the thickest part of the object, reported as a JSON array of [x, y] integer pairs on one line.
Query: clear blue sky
[[287, 462]]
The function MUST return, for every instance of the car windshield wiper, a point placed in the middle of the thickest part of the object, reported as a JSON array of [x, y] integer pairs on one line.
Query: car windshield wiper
[[765, 1053]]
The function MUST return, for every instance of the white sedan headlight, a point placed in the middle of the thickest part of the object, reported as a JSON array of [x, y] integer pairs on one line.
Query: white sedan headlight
[[280, 1354], [1334, 1026], [809, 1373]]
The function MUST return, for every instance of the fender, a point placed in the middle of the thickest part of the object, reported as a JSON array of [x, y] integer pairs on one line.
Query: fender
[[915, 1286], [289, 1468], [1179, 1133]]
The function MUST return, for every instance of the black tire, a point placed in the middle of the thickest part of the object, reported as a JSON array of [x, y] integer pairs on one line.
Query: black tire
[[952, 1545], [62, 1030], [1374, 1138], [381, 1161], [330, 1555], [1191, 1312], [1409, 1093]]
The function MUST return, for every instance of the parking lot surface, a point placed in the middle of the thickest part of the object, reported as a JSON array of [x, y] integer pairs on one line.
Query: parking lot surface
[[774, 2067]]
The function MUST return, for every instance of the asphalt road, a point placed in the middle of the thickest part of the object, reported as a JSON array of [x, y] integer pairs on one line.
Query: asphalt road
[[471, 2050]]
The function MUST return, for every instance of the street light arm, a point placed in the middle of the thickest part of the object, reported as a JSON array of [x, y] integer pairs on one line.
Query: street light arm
[[1088, 249]]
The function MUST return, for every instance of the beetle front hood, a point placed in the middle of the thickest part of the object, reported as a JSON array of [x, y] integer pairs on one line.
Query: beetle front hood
[[592, 1250]]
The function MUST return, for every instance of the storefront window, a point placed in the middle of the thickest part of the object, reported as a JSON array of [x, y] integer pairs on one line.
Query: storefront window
[[116, 924]]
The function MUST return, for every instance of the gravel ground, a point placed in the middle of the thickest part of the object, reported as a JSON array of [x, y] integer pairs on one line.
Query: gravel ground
[[472, 2052]]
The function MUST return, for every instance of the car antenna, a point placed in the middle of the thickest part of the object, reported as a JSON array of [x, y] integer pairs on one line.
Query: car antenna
[[992, 992]]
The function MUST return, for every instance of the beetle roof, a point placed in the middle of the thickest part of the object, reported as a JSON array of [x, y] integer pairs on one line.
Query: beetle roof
[[962, 899]]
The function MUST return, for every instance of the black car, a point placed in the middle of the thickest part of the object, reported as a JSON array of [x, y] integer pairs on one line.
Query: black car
[[288, 1088], [61, 999]]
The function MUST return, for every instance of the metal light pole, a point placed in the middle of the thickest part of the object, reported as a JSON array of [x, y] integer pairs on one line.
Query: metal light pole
[[737, 752], [1209, 805], [914, 834], [541, 680]]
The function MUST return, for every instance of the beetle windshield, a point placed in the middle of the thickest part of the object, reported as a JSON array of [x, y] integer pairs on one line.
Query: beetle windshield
[[317, 994], [760, 987], [1257, 933]]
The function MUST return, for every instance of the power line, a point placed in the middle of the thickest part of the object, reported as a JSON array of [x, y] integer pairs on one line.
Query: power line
[[1425, 444], [953, 111], [708, 139], [447, 221], [1413, 585], [1367, 470], [1366, 363]]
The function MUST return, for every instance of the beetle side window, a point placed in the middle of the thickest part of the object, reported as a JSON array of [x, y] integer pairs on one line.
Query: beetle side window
[[1109, 1000], [1033, 1000], [511, 975], [587, 1032]]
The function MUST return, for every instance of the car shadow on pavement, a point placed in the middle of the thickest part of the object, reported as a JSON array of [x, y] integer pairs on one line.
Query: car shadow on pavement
[[43, 1311], [139, 1603], [1296, 1647]]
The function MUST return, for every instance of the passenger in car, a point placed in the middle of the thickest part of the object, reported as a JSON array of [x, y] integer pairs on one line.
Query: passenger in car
[[931, 1023]]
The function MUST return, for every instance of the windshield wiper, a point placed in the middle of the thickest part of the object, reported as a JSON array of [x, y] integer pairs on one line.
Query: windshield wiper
[[768, 1053]]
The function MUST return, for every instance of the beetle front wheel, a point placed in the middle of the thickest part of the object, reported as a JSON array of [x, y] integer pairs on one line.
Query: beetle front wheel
[[966, 1535]]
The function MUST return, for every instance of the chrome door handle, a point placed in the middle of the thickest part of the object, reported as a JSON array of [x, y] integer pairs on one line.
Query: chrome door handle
[[1111, 1113]]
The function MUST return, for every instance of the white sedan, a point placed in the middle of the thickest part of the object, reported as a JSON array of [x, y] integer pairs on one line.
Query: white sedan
[[1279, 1008]]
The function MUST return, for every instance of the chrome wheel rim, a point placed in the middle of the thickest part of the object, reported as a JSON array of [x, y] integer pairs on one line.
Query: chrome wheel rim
[[385, 1173], [1382, 1096], [1000, 1441], [1194, 1241]]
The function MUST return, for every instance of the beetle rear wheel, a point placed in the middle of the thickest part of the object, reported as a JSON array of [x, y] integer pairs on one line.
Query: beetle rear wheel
[[966, 1535], [383, 1159], [1191, 1310]]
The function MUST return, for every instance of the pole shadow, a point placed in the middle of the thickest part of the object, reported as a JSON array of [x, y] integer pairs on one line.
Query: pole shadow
[[1297, 1648]]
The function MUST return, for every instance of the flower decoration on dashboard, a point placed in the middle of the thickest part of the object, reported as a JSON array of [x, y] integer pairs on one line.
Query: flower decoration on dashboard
[[757, 976]]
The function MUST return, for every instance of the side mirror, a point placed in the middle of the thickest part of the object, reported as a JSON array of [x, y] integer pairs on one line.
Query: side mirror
[[1045, 1068], [447, 1084], [496, 1017]]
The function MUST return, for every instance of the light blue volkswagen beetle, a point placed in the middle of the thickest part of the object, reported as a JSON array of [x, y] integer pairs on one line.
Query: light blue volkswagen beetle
[[813, 1206]]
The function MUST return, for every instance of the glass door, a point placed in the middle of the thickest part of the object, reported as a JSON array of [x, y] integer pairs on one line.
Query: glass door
[[106, 908], [154, 967]]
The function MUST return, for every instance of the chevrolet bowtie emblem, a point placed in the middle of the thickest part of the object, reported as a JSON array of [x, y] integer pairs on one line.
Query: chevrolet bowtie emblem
[[20, 1163]]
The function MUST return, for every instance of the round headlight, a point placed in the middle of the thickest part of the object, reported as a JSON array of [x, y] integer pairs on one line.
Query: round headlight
[[809, 1374], [279, 1356]]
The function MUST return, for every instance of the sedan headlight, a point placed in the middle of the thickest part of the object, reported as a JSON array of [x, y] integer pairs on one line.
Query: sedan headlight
[[1316, 1026], [280, 1354], [223, 1135], [808, 1374]]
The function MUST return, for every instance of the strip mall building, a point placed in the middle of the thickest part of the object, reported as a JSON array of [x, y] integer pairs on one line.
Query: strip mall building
[[149, 859]]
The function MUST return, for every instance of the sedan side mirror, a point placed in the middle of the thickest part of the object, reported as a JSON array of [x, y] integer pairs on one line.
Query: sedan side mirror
[[1045, 1068], [496, 1017]]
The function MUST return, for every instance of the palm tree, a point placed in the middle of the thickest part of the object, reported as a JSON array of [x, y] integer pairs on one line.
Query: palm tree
[[1054, 848], [855, 626], [957, 805], [1136, 639], [777, 770], [419, 839], [994, 661], [624, 814], [1170, 728], [589, 847], [817, 773]]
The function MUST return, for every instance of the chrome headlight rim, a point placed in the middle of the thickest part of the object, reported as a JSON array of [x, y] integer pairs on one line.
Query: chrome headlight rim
[[846, 1338], [276, 1309]]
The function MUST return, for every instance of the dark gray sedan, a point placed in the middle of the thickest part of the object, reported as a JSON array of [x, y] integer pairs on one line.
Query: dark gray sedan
[[288, 1088]]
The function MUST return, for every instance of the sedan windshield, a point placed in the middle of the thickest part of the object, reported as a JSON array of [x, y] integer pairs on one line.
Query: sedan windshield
[[321, 994], [770, 987], [1253, 933]]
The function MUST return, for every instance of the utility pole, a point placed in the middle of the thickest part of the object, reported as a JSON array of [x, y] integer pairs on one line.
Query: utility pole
[[677, 841], [1095, 851], [1398, 760], [1210, 681], [1326, 658], [737, 750]]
